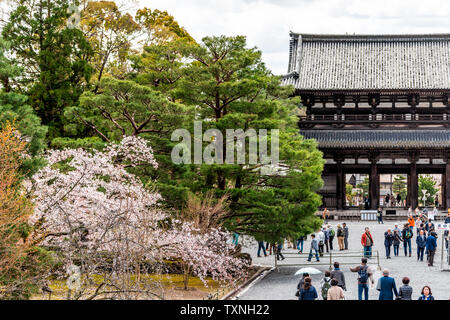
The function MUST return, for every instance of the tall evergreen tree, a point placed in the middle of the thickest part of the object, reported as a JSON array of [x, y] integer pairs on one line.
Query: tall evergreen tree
[[232, 89], [14, 108], [53, 55]]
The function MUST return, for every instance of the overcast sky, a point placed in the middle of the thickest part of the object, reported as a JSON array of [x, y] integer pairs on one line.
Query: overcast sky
[[267, 23]]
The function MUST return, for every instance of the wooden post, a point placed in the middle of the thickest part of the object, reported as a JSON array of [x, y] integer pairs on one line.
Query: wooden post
[[444, 190], [414, 182], [340, 184], [374, 186]]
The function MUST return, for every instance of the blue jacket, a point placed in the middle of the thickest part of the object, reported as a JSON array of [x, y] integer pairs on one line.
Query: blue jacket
[[431, 243], [421, 242], [310, 294], [388, 239], [386, 287]]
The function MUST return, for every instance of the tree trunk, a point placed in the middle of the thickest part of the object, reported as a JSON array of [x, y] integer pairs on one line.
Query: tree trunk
[[186, 276]]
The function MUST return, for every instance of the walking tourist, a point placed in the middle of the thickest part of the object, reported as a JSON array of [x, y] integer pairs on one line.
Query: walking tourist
[[320, 240], [388, 240], [407, 235], [300, 242], [386, 286], [271, 247], [366, 203], [431, 246], [419, 224], [340, 236], [421, 242], [326, 238], [426, 294], [325, 285], [302, 281], [335, 292], [315, 247], [344, 226], [308, 292], [387, 199], [325, 215], [446, 232], [380, 215], [429, 227], [331, 235], [399, 200], [396, 241], [411, 223], [261, 246], [432, 214], [279, 248], [338, 275], [405, 291], [235, 238], [364, 275], [367, 243]]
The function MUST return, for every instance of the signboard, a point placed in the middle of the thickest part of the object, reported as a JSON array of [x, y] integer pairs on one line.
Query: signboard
[[443, 226]]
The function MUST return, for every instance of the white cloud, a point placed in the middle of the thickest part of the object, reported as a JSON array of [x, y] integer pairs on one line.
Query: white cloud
[[266, 23]]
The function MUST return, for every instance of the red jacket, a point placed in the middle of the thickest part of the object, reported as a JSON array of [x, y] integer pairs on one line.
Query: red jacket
[[364, 238]]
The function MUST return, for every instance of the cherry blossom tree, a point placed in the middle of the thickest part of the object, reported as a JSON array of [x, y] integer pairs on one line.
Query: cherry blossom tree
[[108, 229]]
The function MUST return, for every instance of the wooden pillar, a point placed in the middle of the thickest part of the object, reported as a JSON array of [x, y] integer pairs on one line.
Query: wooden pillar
[[374, 186], [447, 184], [408, 191], [414, 185], [444, 190], [340, 185]]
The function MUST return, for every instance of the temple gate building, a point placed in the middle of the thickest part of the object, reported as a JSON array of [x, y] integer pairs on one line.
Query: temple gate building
[[376, 104]]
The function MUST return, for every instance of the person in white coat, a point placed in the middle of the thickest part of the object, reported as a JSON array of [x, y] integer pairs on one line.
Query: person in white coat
[[321, 240], [432, 214]]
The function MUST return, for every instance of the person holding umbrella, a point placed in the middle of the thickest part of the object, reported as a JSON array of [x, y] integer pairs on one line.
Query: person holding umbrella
[[308, 292]]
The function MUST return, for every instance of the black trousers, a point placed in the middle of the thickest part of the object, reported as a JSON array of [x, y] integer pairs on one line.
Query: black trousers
[[431, 256], [331, 242], [321, 250]]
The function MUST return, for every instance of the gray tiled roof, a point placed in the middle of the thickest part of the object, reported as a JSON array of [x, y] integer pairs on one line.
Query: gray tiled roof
[[389, 139], [377, 62]]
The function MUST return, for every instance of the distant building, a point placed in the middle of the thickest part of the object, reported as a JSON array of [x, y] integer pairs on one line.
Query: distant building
[[376, 104]]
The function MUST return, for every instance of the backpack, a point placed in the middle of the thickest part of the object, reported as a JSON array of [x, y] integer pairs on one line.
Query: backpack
[[408, 234], [325, 288], [363, 274], [331, 233]]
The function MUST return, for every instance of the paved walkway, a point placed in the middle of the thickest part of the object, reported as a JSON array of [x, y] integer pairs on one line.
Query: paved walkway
[[281, 284]]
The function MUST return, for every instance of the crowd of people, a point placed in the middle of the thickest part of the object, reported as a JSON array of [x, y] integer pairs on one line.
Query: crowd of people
[[333, 284]]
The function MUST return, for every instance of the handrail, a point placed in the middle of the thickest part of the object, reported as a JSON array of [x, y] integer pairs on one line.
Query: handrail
[[330, 255]]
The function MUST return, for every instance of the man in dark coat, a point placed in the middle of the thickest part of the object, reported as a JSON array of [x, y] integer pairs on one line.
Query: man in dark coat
[[388, 239], [431, 247], [421, 242], [386, 286], [344, 226], [338, 275]]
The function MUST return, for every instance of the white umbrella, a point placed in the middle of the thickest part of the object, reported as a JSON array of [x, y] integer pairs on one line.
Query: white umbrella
[[308, 270]]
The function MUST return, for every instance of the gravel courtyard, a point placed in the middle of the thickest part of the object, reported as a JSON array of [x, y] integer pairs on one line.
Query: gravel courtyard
[[281, 284]]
